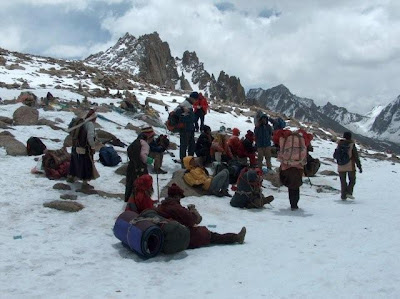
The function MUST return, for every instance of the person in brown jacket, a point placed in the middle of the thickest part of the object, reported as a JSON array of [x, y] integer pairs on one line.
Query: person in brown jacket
[[349, 168], [200, 236]]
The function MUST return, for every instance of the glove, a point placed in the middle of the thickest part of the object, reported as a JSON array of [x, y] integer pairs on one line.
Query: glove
[[150, 160], [360, 170]]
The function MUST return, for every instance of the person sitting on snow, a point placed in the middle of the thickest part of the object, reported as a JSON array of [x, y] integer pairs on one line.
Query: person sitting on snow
[[197, 175], [141, 200], [200, 236]]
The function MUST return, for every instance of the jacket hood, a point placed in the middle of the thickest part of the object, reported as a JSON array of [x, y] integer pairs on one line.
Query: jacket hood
[[186, 162], [144, 182]]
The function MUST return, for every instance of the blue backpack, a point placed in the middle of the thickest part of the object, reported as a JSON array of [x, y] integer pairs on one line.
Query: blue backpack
[[108, 156], [341, 154]]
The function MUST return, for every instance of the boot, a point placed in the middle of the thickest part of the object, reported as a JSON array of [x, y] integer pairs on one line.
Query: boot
[[225, 192], [241, 235], [229, 238], [268, 199]]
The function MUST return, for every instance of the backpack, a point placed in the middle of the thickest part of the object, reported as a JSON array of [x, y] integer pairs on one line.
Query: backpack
[[176, 235], [173, 122], [293, 150], [74, 128], [341, 154], [56, 163], [312, 166], [35, 146], [108, 156]]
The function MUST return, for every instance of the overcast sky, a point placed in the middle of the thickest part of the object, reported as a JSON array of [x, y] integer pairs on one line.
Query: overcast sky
[[348, 54]]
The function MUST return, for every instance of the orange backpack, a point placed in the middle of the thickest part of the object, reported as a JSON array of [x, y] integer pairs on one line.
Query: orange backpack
[[293, 150]]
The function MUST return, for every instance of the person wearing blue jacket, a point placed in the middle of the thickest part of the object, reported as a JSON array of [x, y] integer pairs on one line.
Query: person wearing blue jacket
[[263, 134]]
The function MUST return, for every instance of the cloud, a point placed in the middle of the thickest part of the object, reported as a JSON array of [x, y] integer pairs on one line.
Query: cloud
[[341, 51]]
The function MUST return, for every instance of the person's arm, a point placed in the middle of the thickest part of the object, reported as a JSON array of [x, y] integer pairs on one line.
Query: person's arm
[[356, 158], [91, 137], [144, 150]]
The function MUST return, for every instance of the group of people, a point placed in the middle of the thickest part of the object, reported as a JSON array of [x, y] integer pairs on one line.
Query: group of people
[[249, 152]]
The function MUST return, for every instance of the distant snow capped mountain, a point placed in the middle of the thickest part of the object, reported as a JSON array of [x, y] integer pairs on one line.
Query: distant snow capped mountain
[[340, 114], [149, 59], [387, 123], [385, 127]]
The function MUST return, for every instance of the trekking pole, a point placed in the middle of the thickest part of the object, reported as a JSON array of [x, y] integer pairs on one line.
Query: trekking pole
[[310, 181], [158, 188]]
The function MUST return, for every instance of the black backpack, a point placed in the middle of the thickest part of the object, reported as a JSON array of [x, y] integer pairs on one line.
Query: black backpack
[[341, 154], [35, 146], [74, 129], [108, 156]]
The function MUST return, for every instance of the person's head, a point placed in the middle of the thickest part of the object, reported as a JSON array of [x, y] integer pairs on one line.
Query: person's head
[[175, 192], [189, 162], [206, 129], [91, 115], [235, 132], [264, 119], [194, 95], [144, 183], [347, 135], [147, 134], [249, 135]]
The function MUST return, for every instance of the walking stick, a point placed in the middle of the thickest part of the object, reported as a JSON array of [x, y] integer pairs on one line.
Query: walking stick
[[310, 181], [158, 188]]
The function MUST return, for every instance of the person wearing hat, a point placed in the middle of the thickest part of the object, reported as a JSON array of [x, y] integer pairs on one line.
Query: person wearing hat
[[141, 199], [348, 169], [186, 133], [138, 154], [200, 236], [83, 148], [234, 142], [220, 145], [247, 148], [203, 145]]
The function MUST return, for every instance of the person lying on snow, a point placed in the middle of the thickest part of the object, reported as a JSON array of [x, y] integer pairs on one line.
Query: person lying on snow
[[200, 236], [141, 200], [197, 175], [248, 192]]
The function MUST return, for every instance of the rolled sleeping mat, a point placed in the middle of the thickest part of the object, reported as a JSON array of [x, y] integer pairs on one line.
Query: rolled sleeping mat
[[141, 236]]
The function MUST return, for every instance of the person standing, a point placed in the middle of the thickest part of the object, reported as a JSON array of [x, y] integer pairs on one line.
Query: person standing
[[200, 108], [157, 149], [186, 133], [350, 155], [83, 148], [203, 145], [138, 154], [263, 134], [293, 156]]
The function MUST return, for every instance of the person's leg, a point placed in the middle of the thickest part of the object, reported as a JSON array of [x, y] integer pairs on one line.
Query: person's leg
[[267, 153], [228, 238], [343, 184], [196, 122], [202, 121], [352, 182], [191, 143], [219, 182], [260, 152], [293, 198], [183, 144]]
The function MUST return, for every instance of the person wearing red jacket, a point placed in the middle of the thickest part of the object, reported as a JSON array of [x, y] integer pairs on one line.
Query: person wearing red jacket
[[141, 200], [247, 148], [200, 108], [234, 142], [200, 236]]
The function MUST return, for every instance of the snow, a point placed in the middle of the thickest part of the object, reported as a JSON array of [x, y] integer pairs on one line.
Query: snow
[[327, 249]]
